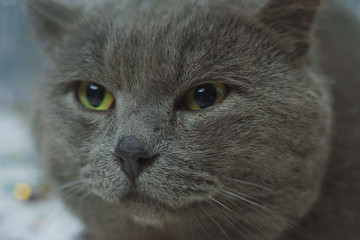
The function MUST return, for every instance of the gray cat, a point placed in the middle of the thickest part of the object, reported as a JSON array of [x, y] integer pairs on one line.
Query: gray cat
[[199, 120]]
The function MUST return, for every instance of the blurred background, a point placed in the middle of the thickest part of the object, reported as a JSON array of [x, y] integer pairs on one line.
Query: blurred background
[[28, 209]]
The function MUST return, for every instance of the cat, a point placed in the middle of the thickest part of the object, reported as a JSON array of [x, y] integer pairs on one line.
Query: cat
[[198, 120]]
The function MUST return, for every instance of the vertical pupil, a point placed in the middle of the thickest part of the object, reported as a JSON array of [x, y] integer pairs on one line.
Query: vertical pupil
[[205, 95], [95, 94]]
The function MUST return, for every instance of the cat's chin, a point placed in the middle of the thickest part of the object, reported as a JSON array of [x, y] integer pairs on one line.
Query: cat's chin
[[149, 220], [146, 210], [133, 198]]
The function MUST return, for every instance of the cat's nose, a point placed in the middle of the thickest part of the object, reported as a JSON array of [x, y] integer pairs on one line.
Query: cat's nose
[[133, 156]]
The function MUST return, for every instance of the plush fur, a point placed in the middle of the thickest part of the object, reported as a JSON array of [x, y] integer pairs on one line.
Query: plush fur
[[249, 167]]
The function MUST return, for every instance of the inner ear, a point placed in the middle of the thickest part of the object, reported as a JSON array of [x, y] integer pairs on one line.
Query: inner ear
[[53, 19], [290, 21]]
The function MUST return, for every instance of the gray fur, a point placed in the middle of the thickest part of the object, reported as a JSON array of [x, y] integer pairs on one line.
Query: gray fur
[[267, 143]]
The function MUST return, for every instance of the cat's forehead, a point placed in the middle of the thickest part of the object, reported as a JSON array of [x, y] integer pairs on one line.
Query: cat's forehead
[[163, 52]]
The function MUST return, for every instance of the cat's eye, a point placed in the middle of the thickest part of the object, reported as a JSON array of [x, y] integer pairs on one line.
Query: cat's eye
[[94, 96], [204, 96]]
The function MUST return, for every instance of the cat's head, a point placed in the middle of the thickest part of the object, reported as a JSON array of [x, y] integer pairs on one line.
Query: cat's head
[[194, 111]]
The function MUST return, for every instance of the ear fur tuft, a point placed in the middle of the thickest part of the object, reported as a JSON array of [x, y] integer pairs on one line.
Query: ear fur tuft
[[291, 21], [53, 19]]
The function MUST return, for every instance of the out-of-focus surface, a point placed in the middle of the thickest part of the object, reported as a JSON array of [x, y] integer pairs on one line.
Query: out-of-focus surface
[[21, 61], [20, 55], [41, 217]]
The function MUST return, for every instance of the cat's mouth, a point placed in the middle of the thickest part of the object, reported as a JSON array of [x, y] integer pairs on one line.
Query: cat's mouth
[[146, 209], [150, 191], [137, 198]]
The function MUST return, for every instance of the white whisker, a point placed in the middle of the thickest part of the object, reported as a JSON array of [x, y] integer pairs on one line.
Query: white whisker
[[202, 227], [241, 194], [246, 183], [73, 194], [212, 219], [231, 222], [291, 225], [85, 195], [68, 185], [249, 217]]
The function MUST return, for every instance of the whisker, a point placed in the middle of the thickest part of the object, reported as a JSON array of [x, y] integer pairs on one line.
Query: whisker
[[287, 222], [217, 224], [244, 203], [73, 194], [85, 195], [202, 227], [249, 217], [68, 185], [241, 194], [246, 183], [229, 217]]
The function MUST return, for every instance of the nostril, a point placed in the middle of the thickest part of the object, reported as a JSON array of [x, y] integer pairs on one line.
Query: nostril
[[145, 162], [121, 161], [142, 161], [133, 168]]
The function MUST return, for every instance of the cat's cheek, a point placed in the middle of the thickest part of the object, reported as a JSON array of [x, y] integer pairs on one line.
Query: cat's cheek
[[177, 187]]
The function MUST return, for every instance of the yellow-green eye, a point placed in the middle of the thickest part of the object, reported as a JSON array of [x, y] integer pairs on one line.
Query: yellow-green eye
[[205, 95], [94, 96]]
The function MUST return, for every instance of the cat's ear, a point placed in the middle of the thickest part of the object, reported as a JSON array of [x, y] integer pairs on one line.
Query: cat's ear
[[291, 21], [53, 19]]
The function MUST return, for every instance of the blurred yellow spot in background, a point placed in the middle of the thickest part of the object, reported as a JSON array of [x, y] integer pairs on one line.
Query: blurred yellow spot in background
[[22, 191]]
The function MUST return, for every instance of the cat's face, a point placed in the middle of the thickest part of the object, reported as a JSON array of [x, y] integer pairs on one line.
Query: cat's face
[[262, 144]]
